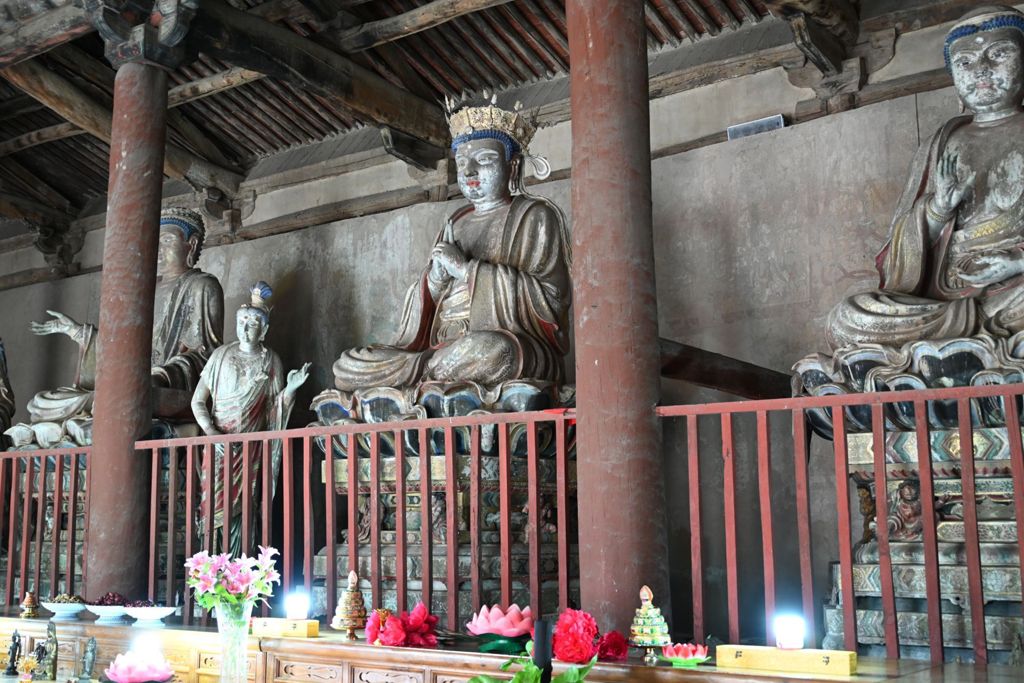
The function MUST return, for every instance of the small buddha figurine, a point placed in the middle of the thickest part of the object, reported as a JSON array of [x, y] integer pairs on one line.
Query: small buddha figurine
[[243, 389], [351, 611], [29, 606], [13, 654], [649, 629], [88, 661]]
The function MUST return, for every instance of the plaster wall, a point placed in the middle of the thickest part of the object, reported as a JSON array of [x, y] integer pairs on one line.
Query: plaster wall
[[755, 241]]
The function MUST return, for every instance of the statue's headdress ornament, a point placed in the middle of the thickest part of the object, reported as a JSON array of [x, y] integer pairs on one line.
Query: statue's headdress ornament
[[983, 19], [259, 298], [188, 221], [489, 121]]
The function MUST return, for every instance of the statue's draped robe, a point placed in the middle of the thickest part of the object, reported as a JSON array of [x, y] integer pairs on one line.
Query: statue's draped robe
[[6, 393], [242, 407], [507, 320], [920, 295], [187, 328]]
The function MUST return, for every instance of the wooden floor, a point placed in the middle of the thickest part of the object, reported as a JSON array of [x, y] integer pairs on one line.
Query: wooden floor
[[194, 654]]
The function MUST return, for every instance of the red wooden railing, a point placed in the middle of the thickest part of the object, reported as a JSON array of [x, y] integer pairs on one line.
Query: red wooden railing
[[36, 485], [302, 491], [798, 436]]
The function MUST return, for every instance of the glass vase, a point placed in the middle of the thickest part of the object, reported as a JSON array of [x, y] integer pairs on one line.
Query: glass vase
[[233, 626]]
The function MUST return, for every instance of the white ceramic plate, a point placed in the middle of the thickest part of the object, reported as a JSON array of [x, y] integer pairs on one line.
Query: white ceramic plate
[[149, 616], [107, 613], [63, 611]]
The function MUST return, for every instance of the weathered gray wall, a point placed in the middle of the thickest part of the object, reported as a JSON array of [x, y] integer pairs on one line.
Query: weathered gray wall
[[755, 240]]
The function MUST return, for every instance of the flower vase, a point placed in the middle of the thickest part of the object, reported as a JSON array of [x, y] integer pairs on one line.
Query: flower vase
[[233, 626]]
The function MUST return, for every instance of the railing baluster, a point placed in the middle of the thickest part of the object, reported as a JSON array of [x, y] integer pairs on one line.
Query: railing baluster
[[58, 492], [696, 547], [226, 449], [931, 548], [474, 517], [40, 521], [375, 568], [26, 510], [69, 581], [401, 553], [266, 493], [190, 515], [154, 519], [731, 552], [803, 521], [764, 480], [12, 509], [210, 454], [533, 518], [426, 541], [889, 619], [288, 502], [353, 502], [505, 513], [1016, 468], [245, 493], [451, 536], [562, 493], [307, 514], [976, 594], [843, 513], [172, 506]]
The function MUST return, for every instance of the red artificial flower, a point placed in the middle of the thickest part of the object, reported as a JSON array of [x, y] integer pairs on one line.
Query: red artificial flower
[[612, 647], [419, 627], [393, 634], [373, 627], [574, 637]]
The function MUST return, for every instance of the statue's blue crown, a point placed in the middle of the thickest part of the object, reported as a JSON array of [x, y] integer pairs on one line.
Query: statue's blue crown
[[189, 222], [980, 24]]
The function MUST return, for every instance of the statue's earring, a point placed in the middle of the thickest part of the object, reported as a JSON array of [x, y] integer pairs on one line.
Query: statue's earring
[[193, 253]]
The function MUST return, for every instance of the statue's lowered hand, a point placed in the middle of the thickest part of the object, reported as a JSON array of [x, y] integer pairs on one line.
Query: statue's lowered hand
[[990, 269], [61, 324]]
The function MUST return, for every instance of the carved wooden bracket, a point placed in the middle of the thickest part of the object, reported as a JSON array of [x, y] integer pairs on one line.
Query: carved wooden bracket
[[151, 31]]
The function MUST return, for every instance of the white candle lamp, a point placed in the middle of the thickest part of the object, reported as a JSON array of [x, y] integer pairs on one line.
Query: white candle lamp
[[296, 606], [790, 631]]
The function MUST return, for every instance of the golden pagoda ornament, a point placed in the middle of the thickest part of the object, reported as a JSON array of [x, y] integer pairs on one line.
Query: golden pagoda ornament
[[649, 629], [350, 614], [29, 606]]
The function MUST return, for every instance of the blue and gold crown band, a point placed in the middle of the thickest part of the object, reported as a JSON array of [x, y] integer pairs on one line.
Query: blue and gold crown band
[[1008, 18], [188, 221], [491, 122]]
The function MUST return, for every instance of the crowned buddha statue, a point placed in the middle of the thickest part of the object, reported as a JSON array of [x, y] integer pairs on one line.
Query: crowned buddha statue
[[489, 309], [952, 270], [188, 325], [243, 389]]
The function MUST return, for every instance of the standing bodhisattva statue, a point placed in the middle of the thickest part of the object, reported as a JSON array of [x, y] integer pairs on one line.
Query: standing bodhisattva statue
[[954, 262], [6, 393], [491, 305], [246, 384], [188, 324]]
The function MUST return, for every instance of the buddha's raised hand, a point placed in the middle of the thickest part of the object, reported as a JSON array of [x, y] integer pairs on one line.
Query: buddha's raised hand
[[61, 324]]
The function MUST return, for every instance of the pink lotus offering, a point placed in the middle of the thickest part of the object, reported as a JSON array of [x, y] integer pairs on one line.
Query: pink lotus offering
[[684, 654], [135, 667], [510, 623]]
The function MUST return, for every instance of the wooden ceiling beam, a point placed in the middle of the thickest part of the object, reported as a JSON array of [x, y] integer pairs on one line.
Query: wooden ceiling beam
[[247, 41], [37, 185], [39, 137], [43, 32], [71, 103], [710, 27], [839, 17], [211, 85], [35, 213], [18, 106], [427, 16]]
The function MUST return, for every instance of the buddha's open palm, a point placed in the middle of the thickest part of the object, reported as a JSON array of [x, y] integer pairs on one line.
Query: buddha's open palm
[[296, 378], [61, 324], [949, 189]]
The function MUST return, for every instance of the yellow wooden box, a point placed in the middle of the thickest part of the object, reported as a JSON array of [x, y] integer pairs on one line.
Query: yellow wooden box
[[832, 662], [285, 628]]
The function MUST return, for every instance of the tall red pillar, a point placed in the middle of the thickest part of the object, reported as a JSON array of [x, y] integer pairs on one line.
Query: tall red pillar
[[116, 557], [622, 540]]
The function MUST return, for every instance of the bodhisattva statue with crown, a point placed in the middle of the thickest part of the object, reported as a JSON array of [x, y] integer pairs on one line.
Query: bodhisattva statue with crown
[[246, 385], [484, 326], [949, 309], [188, 325]]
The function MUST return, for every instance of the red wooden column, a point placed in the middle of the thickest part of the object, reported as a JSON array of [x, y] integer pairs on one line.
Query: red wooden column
[[117, 482], [621, 490]]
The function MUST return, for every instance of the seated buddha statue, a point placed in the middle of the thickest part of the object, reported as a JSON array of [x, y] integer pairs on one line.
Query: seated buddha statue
[[188, 325], [491, 304], [953, 265]]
